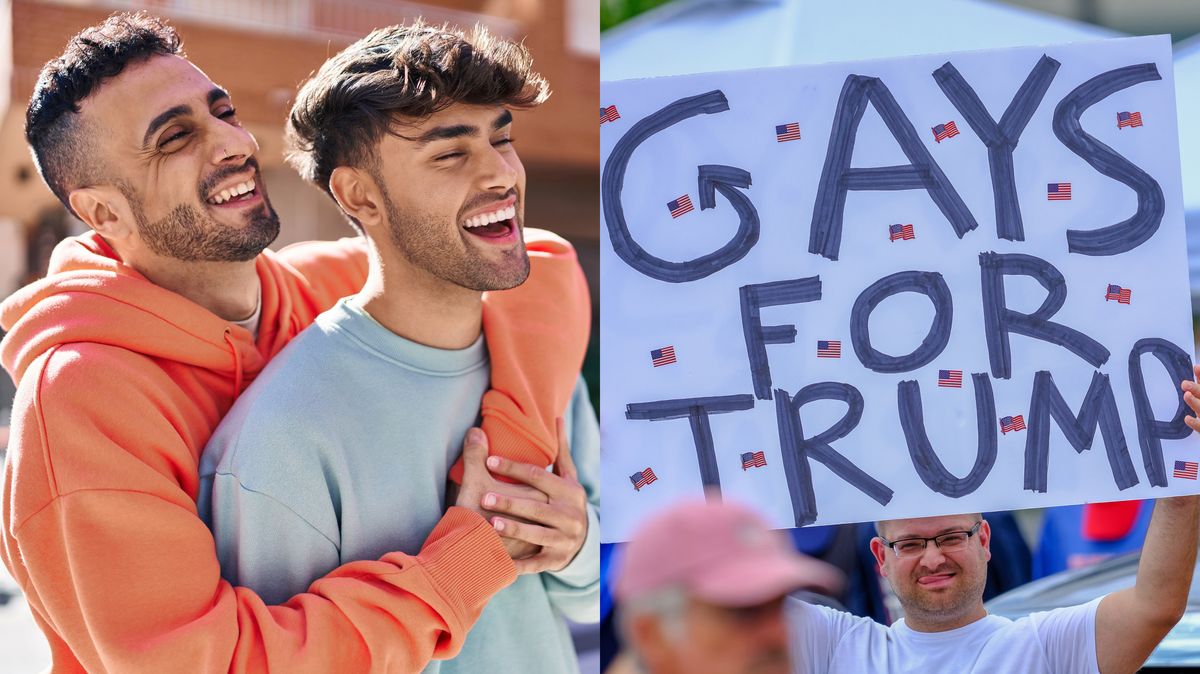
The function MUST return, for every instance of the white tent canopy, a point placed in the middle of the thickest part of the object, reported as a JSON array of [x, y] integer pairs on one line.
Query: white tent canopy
[[691, 36]]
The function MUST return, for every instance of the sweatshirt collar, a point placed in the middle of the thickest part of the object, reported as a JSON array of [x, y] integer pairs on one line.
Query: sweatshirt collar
[[347, 316]]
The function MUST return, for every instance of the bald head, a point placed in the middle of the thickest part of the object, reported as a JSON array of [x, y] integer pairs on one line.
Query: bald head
[[883, 526]]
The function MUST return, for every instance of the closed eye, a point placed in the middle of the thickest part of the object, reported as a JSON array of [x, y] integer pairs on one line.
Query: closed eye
[[171, 138]]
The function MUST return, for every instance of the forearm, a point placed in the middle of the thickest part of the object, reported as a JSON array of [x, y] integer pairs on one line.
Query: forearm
[[1168, 557], [122, 611], [1131, 622]]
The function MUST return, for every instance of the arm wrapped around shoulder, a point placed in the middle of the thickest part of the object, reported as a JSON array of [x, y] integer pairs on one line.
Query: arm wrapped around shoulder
[[537, 334]]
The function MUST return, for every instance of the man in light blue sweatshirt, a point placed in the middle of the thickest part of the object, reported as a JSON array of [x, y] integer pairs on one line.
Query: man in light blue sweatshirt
[[341, 449]]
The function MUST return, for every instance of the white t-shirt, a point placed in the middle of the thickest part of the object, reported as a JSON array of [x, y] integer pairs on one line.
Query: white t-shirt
[[1062, 641]]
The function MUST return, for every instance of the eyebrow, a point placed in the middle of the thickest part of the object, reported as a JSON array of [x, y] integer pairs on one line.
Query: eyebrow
[[459, 130], [215, 94], [947, 530]]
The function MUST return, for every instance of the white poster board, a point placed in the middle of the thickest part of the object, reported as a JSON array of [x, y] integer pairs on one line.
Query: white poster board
[[896, 288]]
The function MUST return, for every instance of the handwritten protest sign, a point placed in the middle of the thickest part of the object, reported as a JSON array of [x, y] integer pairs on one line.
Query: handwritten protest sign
[[897, 288]]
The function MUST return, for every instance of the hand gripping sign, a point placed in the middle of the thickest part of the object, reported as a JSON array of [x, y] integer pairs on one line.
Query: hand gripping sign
[[959, 285]]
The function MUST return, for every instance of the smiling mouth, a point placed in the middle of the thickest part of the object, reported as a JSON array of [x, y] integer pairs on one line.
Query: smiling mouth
[[241, 192], [934, 580], [494, 225]]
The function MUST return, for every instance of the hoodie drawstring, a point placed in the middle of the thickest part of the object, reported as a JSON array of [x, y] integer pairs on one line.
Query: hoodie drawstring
[[237, 364]]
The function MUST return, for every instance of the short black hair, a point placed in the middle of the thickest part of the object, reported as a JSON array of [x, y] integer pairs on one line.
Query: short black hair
[[410, 71], [62, 148]]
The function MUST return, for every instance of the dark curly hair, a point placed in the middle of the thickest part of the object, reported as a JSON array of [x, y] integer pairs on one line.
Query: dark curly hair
[[62, 148], [408, 72]]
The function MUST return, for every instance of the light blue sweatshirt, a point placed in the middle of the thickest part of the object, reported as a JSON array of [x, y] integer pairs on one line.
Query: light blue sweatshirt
[[339, 452]]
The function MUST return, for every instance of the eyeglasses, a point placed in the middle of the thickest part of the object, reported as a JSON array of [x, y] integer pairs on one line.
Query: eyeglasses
[[949, 541]]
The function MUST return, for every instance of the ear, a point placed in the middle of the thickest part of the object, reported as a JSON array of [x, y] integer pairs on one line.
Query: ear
[[105, 210], [985, 539], [650, 641], [880, 551], [358, 195]]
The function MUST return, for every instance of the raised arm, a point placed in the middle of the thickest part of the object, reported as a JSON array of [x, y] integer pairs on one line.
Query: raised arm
[[1130, 623]]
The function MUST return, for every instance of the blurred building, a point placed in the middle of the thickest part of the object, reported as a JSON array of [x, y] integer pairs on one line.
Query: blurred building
[[1179, 18], [260, 52]]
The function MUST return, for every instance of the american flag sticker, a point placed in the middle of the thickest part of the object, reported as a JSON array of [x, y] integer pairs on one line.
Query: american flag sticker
[[752, 459], [1115, 292], [786, 132], [663, 356], [1058, 191], [1016, 423], [829, 348], [1129, 119], [950, 378], [943, 131], [901, 233], [642, 478], [609, 114], [680, 206], [1185, 470]]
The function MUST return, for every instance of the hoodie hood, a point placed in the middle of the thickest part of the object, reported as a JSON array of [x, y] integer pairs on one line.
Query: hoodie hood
[[89, 295]]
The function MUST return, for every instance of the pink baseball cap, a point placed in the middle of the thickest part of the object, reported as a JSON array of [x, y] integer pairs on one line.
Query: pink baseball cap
[[722, 553]]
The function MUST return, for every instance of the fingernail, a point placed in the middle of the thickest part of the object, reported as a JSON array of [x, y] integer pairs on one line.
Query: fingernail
[[475, 435], [493, 462], [498, 524], [489, 500]]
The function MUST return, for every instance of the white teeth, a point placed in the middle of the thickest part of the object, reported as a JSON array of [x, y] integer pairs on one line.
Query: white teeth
[[488, 218], [235, 191]]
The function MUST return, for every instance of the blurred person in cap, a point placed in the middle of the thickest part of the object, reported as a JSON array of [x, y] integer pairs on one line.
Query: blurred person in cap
[[701, 590], [937, 567]]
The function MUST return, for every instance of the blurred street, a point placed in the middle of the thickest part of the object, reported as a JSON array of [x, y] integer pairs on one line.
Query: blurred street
[[24, 648]]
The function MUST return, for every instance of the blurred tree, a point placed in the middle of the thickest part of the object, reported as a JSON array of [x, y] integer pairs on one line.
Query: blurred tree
[[613, 12]]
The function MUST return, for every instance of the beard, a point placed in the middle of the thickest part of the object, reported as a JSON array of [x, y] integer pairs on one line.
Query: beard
[[948, 603], [192, 235], [425, 243]]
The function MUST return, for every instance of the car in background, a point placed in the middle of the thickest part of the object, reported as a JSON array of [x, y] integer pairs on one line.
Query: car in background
[[1180, 650]]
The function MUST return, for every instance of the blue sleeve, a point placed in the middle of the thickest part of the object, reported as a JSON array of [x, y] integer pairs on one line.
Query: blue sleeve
[[575, 590], [264, 545], [258, 496]]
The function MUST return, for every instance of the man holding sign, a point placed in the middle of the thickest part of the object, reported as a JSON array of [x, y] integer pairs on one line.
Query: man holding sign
[[937, 566]]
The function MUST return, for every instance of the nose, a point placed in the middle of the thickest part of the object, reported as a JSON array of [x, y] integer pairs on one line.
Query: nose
[[231, 144], [501, 169], [933, 556]]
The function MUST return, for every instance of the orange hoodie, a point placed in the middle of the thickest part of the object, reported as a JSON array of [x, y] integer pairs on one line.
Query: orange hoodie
[[120, 384]]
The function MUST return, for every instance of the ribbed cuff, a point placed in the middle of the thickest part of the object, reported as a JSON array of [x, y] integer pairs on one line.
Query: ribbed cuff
[[508, 439], [465, 557]]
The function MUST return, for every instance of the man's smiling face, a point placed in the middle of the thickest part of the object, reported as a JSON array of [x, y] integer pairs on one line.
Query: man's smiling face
[[174, 147], [454, 192], [937, 587]]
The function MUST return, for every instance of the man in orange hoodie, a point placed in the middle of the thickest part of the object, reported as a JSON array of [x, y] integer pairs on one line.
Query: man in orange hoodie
[[133, 348]]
